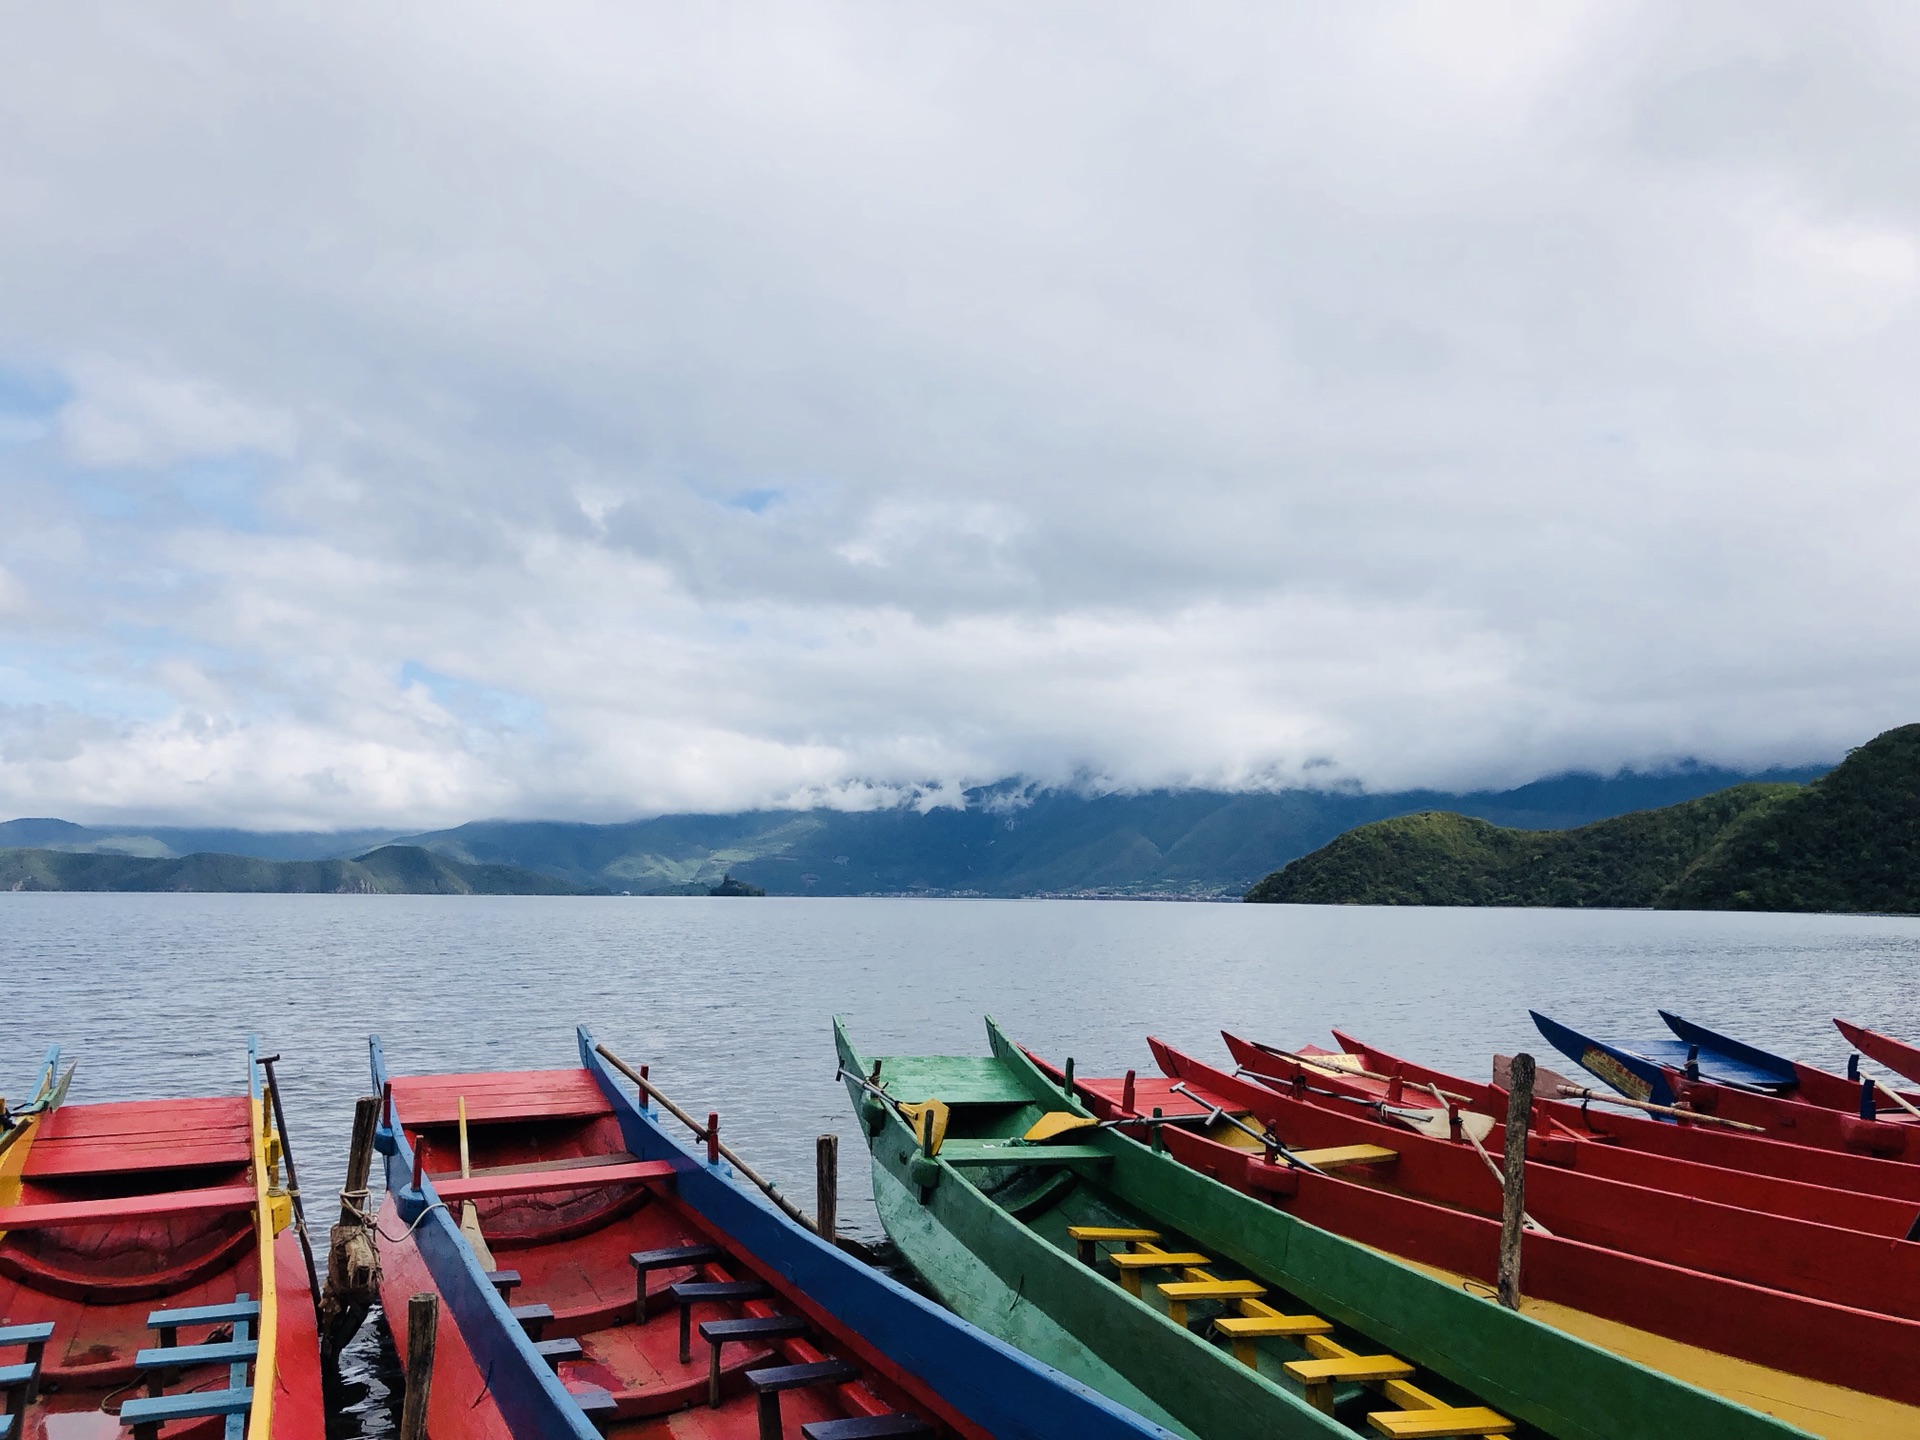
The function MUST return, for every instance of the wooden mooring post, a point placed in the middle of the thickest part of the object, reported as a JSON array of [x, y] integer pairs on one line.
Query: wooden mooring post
[[353, 1260], [423, 1327], [826, 1187], [1513, 1212]]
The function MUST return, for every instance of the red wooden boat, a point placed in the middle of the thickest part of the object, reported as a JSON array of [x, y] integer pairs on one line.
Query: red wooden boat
[[1551, 1141], [1830, 1368], [148, 1277], [1846, 1267], [596, 1274], [1703, 1144], [1896, 1055]]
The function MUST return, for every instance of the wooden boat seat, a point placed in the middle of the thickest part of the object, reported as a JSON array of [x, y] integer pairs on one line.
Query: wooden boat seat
[[554, 1351], [211, 1201], [597, 1404], [644, 1262], [717, 1333], [424, 1100], [148, 1413], [1001, 1152], [19, 1380], [1337, 1157], [6, 1427], [120, 1136], [1086, 1237], [689, 1293], [865, 1427], [1131, 1264], [1180, 1293], [234, 1312], [505, 1281], [454, 1190], [1433, 1424], [1349, 1368], [769, 1383], [533, 1319], [168, 1358]]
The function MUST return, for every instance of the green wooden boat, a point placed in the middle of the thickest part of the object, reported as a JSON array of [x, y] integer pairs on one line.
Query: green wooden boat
[[1255, 1323]]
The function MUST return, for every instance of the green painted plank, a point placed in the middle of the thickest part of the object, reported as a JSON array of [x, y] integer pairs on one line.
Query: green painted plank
[[956, 1079]]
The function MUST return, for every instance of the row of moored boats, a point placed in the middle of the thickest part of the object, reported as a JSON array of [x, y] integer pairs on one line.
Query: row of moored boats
[[1723, 1242]]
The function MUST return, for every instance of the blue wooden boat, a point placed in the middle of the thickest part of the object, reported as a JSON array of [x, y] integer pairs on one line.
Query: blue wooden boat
[[575, 1243], [1644, 1070]]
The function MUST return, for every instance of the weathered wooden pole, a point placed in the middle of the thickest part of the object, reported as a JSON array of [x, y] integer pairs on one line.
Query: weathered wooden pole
[[826, 1186], [1513, 1211], [353, 1264], [423, 1325]]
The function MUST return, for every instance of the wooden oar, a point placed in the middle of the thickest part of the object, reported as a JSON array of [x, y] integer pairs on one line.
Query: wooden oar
[[1580, 1092], [469, 1215], [1064, 1122], [1266, 1139], [1340, 1064]]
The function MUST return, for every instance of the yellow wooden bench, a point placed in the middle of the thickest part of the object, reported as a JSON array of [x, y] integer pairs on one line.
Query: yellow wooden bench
[[1180, 1293], [1339, 1156], [1130, 1265], [1086, 1237]]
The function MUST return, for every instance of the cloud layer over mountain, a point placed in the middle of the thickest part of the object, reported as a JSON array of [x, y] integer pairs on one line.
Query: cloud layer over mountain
[[414, 413]]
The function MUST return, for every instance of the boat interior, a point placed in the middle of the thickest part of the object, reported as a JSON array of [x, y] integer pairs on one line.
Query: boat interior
[[654, 1321], [129, 1269], [1056, 1192]]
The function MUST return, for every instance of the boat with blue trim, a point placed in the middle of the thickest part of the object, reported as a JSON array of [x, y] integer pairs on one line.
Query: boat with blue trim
[[598, 1275]]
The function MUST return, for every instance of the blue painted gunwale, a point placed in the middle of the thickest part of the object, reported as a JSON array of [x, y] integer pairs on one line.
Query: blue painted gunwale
[[990, 1383], [530, 1397], [1575, 1046]]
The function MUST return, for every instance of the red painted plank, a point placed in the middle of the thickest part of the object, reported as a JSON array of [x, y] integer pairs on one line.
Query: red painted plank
[[507, 1095], [109, 1157], [483, 1187], [145, 1117], [130, 1207]]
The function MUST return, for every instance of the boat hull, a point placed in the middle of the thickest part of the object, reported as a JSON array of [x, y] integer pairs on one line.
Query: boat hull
[[1536, 1375]]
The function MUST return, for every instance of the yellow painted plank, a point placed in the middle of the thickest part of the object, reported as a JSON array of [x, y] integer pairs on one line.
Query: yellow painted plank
[[1349, 1367], [1157, 1259], [1211, 1289], [1431, 1424], [1336, 1156], [1254, 1327], [1109, 1232]]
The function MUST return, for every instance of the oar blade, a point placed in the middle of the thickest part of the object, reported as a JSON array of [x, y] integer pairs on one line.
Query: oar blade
[[1055, 1124]]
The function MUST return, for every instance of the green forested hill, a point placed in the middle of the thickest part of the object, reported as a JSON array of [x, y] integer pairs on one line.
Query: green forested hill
[[1850, 841], [391, 870]]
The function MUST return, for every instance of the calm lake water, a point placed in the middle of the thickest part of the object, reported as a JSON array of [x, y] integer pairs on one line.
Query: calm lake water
[[730, 1001]]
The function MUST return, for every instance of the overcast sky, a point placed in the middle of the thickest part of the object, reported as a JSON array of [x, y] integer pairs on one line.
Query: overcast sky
[[412, 413]]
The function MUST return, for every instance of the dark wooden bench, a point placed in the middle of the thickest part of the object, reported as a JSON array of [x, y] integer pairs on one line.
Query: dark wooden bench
[[595, 1403], [533, 1319], [644, 1262], [768, 1384], [748, 1328], [866, 1427], [505, 1281], [689, 1293], [554, 1351]]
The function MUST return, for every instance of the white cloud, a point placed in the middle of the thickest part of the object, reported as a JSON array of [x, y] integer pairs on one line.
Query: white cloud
[[629, 408]]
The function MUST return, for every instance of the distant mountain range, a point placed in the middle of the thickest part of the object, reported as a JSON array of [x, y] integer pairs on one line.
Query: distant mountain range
[[1010, 840], [390, 870], [1849, 841]]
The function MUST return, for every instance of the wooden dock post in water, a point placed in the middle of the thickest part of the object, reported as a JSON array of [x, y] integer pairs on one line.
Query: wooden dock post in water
[[1513, 1212], [353, 1261], [826, 1182], [423, 1326]]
